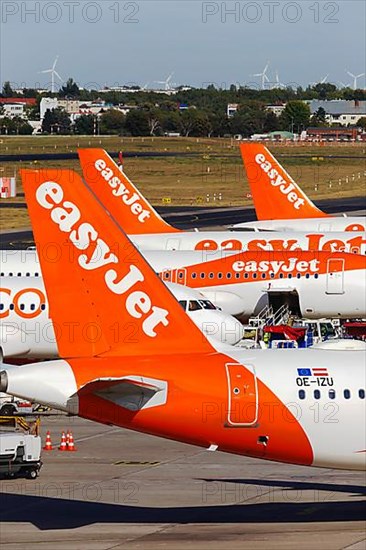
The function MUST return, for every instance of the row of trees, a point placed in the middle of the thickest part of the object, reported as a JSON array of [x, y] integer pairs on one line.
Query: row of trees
[[204, 114], [251, 118], [211, 97]]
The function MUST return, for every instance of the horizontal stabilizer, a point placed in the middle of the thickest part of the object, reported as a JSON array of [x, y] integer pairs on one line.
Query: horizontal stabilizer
[[132, 392]]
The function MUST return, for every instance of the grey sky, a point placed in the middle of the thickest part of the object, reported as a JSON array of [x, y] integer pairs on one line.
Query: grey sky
[[143, 41]]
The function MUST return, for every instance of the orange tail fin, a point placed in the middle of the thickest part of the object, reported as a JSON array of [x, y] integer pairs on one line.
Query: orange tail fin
[[104, 298], [119, 195], [275, 194]]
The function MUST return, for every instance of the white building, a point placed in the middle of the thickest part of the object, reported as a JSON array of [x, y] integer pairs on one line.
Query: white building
[[12, 110], [231, 109], [276, 109], [47, 103], [340, 111]]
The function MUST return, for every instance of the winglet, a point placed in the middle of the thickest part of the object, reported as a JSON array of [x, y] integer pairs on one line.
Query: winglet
[[275, 194], [119, 195], [104, 298]]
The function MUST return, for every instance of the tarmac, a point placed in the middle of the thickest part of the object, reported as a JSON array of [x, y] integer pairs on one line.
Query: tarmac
[[122, 489]]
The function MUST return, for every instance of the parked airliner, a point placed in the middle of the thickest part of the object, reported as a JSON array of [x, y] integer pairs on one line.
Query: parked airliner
[[170, 381], [279, 202], [148, 231]]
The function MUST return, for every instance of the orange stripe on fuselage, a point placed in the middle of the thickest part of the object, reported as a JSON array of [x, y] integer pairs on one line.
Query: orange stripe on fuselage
[[268, 265], [197, 407]]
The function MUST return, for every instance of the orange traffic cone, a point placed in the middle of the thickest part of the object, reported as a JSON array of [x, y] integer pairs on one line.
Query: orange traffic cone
[[67, 438], [62, 446], [48, 444], [71, 445]]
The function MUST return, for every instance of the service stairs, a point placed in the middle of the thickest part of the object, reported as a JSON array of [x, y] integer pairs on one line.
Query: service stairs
[[269, 317]]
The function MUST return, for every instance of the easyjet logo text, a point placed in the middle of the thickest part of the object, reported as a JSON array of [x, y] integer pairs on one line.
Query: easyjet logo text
[[27, 303], [287, 188], [312, 241], [292, 265], [85, 237], [120, 190]]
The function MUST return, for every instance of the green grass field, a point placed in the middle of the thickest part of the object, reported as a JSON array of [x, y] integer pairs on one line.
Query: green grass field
[[217, 169]]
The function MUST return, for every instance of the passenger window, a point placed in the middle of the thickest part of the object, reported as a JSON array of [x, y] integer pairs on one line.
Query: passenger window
[[272, 275], [166, 275], [27, 274], [228, 275], [22, 307], [237, 275], [332, 394], [307, 276], [33, 307], [316, 276], [347, 394], [317, 394], [194, 275], [281, 275], [254, 275], [302, 394], [246, 275], [203, 275], [219, 275], [43, 307], [11, 307], [183, 303], [289, 275], [361, 394], [19, 274], [263, 275], [1, 307], [298, 276], [210, 275], [180, 275]]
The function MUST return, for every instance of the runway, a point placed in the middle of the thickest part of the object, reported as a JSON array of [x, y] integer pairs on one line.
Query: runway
[[127, 490], [200, 217]]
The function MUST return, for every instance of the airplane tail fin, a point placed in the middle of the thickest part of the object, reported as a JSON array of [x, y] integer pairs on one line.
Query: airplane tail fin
[[119, 195], [275, 194], [104, 298]]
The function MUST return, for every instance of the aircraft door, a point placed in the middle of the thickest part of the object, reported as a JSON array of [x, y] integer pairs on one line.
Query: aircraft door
[[167, 276], [180, 276], [242, 410], [335, 277]]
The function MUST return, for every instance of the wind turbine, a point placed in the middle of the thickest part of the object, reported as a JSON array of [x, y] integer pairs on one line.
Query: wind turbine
[[355, 78], [263, 75], [167, 83], [53, 74], [322, 81], [277, 83]]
